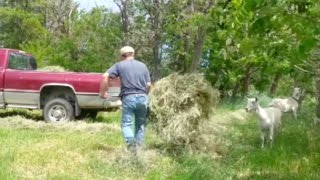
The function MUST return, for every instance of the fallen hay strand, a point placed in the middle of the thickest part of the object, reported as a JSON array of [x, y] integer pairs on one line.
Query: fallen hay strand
[[179, 104]]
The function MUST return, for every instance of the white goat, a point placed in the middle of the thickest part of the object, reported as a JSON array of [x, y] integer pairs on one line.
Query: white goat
[[269, 119], [290, 104]]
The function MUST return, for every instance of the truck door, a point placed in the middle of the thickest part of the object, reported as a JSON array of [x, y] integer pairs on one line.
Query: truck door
[[19, 90]]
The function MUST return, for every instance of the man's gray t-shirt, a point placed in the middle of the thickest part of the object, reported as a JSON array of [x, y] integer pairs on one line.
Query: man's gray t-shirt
[[134, 76]]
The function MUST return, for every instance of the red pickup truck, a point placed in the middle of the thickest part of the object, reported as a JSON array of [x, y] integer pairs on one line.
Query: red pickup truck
[[61, 95]]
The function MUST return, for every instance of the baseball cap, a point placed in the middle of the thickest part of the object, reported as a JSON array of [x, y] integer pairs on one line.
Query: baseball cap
[[126, 49]]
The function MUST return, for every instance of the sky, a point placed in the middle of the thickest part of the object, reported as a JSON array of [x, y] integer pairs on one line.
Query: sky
[[89, 4]]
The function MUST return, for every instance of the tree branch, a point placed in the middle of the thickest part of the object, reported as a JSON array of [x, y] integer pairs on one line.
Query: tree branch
[[146, 7]]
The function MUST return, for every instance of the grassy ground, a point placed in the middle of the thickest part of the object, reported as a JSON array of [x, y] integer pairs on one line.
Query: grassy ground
[[93, 149]]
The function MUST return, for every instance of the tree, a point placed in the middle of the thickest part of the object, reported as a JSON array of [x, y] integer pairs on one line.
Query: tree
[[256, 43], [186, 30], [93, 44], [19, 26], [155, 10]]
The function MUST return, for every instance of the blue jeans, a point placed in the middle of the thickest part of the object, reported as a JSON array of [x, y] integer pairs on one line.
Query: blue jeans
[[134, 107]]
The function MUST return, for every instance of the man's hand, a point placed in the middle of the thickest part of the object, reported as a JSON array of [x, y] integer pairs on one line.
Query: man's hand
[[149, 85], [103, 95]]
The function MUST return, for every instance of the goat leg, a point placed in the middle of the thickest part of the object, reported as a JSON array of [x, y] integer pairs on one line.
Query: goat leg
[[262, 139], [271, 134], [294, 111]]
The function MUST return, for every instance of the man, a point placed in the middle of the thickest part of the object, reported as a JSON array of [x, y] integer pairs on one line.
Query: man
[[135, 85]]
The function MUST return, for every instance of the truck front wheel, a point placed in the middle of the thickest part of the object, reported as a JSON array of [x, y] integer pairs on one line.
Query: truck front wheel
[[58, 110]]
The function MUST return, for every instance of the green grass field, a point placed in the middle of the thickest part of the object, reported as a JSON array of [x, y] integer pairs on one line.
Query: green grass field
[[94, 149]]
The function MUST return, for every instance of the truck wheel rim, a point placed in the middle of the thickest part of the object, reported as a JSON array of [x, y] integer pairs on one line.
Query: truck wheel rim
[[57, 113]]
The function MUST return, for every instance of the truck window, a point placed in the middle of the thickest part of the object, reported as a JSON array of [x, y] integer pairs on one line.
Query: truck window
[[21, 62]]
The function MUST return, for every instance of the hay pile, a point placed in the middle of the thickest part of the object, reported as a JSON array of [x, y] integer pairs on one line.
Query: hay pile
[[52, 69], [179, 104]]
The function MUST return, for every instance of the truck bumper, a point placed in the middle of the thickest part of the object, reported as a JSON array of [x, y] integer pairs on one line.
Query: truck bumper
[[95, 102], [112, 102]]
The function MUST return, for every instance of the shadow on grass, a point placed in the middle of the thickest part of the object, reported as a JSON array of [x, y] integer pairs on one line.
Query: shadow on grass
[[29, 114], [103, 147], [104, 117]]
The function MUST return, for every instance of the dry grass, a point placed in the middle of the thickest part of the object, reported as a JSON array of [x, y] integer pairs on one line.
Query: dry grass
[[21, 122], [138, 166], [76, 150], [47, 158], [212, 138]]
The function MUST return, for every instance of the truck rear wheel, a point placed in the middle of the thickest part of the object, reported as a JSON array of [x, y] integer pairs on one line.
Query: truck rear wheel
[[58, 110]]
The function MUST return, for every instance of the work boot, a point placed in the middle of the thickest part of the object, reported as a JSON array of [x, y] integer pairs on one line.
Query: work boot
[[132, 148], [140, 148]]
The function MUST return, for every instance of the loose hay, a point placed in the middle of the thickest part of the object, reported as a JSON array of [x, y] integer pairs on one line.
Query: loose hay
[[212, 139], [20, 122], [179, 104], [53, 69]]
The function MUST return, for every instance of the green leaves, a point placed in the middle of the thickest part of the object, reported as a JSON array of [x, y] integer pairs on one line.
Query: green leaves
[[236, 43], [269, 36], [18, 26]]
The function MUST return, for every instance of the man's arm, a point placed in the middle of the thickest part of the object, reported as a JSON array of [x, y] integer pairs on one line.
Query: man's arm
[[148, 79], [104, 86], [112, 72]]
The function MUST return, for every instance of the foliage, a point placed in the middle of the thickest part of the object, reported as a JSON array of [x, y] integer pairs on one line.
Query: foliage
[[19, 26], [236, 44], [242, 47], [256, 41], [92, 45]]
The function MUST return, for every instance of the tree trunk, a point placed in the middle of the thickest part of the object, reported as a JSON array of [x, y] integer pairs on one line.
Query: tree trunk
[[154, 9], [246, 81], [275, 83], [315, 56], [156, 63], [125, 23], [198, 49], [235, 91], [156, 27], [188, 40], [26, 5], [317, 80]]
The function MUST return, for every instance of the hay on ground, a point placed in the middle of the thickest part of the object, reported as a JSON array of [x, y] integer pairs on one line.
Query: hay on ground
[[179, 104]]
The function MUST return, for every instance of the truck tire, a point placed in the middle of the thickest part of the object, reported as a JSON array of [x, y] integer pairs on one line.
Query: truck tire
[[58, 110], [88, 113]]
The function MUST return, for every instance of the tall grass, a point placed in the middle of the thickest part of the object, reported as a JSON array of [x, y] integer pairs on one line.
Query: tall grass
[[295, 154], [50, 152]]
